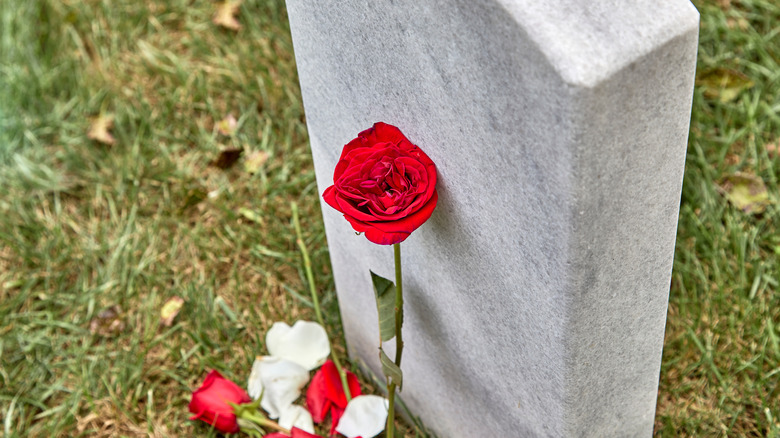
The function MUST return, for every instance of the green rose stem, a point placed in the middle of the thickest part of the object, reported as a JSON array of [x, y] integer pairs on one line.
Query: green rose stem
[[264, 422], [314, 298], [399, 343], [250, 422]]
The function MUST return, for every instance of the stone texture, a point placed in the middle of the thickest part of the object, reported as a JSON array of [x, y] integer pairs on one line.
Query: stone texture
[[536, 295]]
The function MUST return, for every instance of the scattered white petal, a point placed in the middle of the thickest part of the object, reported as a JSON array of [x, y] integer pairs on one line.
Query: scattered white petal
[[365, 416], [255, 385], [282, 381], [305, 343], [296, 416]]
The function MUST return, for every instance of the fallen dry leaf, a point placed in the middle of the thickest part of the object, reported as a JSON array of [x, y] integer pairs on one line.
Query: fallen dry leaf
[[108, 322], [227, 158], [250, 215], [99, 129], [226, 14], [773, 148], [255, 161], [723, 83], [228, 125], [170, 309], [740, 23], [746, 192], [732, 159]]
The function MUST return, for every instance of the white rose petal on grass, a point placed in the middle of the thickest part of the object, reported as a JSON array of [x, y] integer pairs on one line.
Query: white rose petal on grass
[[296, 416], [279, 381], [254, 386], [305, 343], [365, 417]]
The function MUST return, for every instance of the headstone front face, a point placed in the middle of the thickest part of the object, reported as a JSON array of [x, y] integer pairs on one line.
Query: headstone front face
[[536, 295]]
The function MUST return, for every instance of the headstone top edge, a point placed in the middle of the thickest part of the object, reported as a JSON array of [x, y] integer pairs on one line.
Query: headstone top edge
[[588, 42]]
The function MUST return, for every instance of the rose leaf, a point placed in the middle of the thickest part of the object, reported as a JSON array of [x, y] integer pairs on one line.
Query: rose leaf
[[391, 370], [384, 291]]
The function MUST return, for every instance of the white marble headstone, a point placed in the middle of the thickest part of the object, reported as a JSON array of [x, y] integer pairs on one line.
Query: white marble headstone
[[536, 295]]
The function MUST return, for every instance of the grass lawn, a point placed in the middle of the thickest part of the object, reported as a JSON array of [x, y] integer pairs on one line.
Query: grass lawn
[[721, 362], [95, 238]]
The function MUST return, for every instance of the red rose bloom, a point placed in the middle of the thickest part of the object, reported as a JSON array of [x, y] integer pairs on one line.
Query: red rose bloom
[[326, 393], [210, 402], [384, 185]]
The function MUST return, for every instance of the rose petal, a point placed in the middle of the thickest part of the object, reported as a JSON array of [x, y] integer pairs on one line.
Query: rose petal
[[411, 222], [327, 393], [356, 143], [335, 415], [282, 381], [346, 206], [365, 416], [317, 396], [374, 234], [296, 416], [329, 195], [383, 132], [300, 433], [305, 343], [255, 384], [382, 238]]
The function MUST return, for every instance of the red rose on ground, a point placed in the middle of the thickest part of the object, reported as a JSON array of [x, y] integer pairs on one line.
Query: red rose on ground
[[210, 402], [384, 185], [326, 393]]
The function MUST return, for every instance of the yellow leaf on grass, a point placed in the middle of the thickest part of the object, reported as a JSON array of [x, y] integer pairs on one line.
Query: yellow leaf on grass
[[255, 161], [740, 23], [226, 14], [99, 129], [251, 215], [746, 192], [169, 310], [228, 125], [723, 83]]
